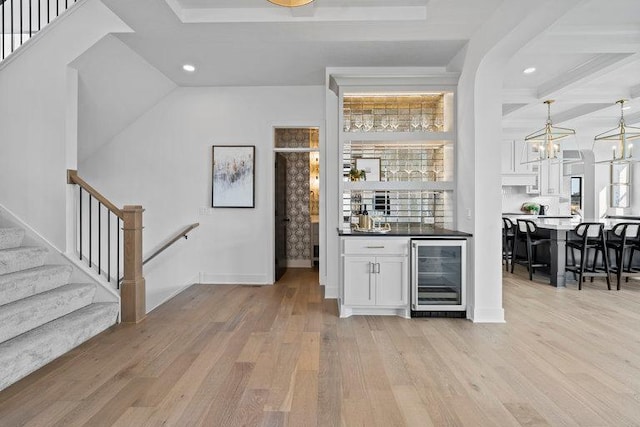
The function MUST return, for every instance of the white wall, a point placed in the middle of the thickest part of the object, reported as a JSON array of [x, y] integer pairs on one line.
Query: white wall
[[163, 162], [33, 103], [115, 86]]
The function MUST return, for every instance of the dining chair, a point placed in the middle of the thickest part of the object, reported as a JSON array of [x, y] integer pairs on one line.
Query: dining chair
[[624, 238], [508, 241], [526, 233], [591, 238]]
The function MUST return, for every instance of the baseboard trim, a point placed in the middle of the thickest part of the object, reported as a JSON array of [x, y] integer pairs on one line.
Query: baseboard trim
[[486, 315], [330, 292], [183, 288], [234, 279]]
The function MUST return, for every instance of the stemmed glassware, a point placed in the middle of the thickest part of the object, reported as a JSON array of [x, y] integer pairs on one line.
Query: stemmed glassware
[[438, 123], [394, 167], [384, 122], [425, 122], [416, 121], [394, 123], [358, 122], [368, 122], [347, 124]]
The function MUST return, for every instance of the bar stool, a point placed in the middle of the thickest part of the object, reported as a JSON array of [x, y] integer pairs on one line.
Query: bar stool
[[526, 233], [508, 241], [590, 237], [625, 236]]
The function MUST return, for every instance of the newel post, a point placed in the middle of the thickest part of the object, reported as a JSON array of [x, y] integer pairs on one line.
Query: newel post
[[132, 292]]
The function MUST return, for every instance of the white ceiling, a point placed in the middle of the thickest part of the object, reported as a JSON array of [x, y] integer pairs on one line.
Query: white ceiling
[[586, 60]]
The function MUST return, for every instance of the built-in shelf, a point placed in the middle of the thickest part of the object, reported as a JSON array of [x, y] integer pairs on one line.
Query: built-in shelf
[[398, 185], [398, 137]]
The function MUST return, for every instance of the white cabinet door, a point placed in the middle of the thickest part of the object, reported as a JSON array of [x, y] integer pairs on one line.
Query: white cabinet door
[[359, 280], [392, 285], [508, 157]]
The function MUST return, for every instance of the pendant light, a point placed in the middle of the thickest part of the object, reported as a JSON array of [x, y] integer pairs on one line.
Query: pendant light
[[545, 144], [620, 139], [290, 3]]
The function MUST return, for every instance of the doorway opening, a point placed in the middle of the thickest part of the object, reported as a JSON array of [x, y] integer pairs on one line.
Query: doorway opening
[[296, 199]]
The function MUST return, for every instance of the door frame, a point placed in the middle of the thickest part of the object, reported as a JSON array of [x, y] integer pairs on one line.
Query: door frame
[[272, 158]]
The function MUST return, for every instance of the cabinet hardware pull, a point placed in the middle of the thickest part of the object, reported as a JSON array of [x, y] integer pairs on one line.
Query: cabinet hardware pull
[[375, 247], [372, 267], [378, 267]]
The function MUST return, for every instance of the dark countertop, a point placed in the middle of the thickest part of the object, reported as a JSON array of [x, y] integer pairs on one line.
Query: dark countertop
[[407, 230]]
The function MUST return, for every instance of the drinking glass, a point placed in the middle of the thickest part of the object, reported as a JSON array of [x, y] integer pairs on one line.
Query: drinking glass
[[347, 124], [438, 123], [415, 122], [394, 123], [384, 122], [425, 122], [358, 122], [368, 122]]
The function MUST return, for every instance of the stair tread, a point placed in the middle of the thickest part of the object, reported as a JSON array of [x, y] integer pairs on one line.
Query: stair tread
[[31, 350], [11, 237], [24, 283], [21, 258], [25, 314]]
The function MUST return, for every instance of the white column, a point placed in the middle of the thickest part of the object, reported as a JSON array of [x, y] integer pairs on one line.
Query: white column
[[483, 61]]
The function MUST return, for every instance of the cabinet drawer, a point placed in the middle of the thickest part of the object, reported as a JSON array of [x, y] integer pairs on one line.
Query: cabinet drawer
[[366, 246]]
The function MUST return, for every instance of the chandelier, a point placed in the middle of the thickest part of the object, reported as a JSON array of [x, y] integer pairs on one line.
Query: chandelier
[[290, 3], [620, 138], [544, 144]]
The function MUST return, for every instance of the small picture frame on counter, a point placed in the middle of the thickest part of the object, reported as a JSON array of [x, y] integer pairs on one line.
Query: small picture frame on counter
[[371, 168]]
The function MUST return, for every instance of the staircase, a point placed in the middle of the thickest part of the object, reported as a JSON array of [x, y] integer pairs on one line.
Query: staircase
[[42, 315]]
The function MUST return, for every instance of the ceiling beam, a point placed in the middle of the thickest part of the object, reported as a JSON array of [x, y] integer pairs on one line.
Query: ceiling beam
[[510, 108], [588, 71], [519, 96], [631, 119], [579, 111]]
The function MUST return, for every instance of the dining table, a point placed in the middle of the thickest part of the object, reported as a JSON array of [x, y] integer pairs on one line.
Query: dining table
[[559, 228]]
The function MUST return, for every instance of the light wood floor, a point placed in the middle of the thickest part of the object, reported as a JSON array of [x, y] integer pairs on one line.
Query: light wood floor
[[270, 356]]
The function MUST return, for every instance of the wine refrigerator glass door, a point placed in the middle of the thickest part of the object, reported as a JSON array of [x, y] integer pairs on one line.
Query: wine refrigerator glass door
[[438, 275]]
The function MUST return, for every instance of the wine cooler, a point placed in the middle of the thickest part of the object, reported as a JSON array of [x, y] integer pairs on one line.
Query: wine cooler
[[438, 277]]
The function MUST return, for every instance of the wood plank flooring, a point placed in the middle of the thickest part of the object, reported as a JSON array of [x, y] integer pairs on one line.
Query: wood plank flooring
[[279, 355]]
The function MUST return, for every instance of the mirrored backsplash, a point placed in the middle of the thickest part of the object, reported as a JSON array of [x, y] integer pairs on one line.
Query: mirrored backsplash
[[401, 162], [399, 206]]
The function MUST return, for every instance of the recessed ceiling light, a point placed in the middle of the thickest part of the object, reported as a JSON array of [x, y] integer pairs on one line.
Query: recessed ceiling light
[[188, 68], [529, 70]]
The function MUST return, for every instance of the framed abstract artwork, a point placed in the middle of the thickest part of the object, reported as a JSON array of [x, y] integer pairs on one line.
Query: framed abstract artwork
[[233, 178]]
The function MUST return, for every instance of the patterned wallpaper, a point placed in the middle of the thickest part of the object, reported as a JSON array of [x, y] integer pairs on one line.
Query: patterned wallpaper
[[298, 190]]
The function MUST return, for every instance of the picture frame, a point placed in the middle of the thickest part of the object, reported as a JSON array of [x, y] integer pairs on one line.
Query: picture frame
[[233, 176], [620, 173], [371, 168], [620, 195]]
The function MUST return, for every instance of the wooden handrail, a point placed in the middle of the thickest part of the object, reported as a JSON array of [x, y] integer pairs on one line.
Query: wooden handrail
[[132, 291], [73, 178], [174, 239]]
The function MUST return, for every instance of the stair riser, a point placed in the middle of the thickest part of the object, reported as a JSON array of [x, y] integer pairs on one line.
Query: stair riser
[[29, 313], [12, 261], [34, 349], [24, 284], [11, 237]]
